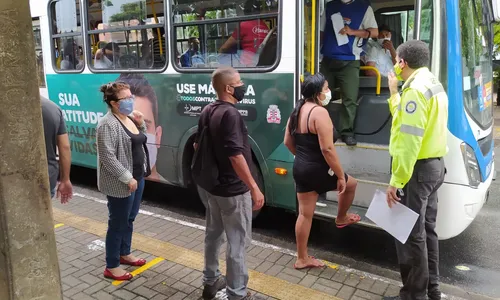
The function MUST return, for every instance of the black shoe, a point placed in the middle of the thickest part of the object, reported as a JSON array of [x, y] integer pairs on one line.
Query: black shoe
[[249, 296], [392, 298], [349, 140], [209, 291], [434, 296]]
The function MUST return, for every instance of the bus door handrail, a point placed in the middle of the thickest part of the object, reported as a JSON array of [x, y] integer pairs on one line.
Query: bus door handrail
[[153, 10], [379, 77]]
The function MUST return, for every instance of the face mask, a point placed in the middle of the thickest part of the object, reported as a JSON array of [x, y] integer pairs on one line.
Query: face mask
[[398, 70], [347, 1], [381, 41], [328, 97], [126, 106], [239, 92], [152, 149]]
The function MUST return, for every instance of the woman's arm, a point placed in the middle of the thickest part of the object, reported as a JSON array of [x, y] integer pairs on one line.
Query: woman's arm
[[228, 45], [324, 129], [289, 140]]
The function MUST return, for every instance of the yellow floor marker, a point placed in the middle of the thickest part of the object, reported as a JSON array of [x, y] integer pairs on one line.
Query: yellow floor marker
[[58, 225], [141, 269]]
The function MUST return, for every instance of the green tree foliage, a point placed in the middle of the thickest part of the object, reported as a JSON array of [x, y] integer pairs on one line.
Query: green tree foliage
[[128, 12]]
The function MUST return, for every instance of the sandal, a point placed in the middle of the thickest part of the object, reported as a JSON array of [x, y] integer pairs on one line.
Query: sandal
[[353, 219], [137, 263], [108, 274], [309, 266]]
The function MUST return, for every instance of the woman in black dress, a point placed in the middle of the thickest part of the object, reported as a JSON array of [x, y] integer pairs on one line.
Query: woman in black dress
[[309, 136]]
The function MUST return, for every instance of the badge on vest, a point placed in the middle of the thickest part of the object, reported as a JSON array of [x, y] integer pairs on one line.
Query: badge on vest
[[411, 107]]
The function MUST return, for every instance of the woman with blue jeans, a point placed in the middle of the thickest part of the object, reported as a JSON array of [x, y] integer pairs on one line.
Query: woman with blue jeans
[[123, 163]]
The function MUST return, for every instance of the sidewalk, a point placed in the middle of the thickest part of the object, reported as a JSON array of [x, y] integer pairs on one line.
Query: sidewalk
[[174, 250]]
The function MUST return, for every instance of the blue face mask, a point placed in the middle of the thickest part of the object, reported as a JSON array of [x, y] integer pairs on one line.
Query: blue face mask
[[126, 105]]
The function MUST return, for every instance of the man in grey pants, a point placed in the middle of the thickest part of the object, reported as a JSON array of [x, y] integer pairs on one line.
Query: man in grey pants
[[229, 205]]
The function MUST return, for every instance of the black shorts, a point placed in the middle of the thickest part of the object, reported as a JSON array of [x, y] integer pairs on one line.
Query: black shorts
[[314, 180]]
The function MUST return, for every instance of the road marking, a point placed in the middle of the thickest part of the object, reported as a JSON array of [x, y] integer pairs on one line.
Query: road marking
[[58, 225], [462, 268], [141, 269], [260, 282], [254, 242], [96, 245]]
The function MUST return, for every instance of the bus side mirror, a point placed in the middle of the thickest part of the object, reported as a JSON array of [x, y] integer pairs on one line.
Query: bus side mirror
[[496, 10]]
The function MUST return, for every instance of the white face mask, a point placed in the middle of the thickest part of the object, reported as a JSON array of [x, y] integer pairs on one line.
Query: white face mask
[[381, 41], [328, 97], [347, 1], [152, 149]]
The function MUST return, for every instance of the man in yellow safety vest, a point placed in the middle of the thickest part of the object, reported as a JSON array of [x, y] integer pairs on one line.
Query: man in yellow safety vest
[[417, 147]]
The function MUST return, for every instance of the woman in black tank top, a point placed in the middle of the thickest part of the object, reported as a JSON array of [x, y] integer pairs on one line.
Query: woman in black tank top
[[316, 169]]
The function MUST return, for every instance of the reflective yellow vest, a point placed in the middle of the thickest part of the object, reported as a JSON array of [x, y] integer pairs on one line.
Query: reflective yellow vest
[[419, 124]]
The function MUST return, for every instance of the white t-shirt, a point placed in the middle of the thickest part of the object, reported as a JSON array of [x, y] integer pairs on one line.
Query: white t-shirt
[[368, 22], [382, 58]]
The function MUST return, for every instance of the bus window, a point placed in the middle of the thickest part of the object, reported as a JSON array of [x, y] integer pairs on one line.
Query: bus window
[[476, 61], [127, 34], [67, 41], [241, 33], [38, 52]]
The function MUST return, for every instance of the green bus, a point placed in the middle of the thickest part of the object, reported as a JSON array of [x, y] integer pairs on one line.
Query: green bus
[[167, 49]]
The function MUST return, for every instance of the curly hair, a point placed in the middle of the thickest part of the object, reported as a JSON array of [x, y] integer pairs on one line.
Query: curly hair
[[110, 91]]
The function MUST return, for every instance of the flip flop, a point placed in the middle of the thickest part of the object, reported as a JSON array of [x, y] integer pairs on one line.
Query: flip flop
[[353, 219], [308, 266]]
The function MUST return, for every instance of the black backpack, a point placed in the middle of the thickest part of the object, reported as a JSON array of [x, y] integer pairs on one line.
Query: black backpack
[[204, 165]]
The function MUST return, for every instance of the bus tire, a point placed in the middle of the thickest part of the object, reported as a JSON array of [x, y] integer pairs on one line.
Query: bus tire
[[257, 175]]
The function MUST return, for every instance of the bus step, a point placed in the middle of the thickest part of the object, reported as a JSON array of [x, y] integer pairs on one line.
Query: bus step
[[327, 210]]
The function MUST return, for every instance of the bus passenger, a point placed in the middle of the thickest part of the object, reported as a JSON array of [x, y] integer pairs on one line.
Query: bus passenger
[[380, 53], [107, 57], [122, 157], [417, 146], [147, 103], [192, 56], [250, 35], [309, 136], [341, 63], [229, 205]]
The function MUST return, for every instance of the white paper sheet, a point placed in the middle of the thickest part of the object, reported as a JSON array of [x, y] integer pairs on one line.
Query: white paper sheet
[[338, 24], [398, 220]]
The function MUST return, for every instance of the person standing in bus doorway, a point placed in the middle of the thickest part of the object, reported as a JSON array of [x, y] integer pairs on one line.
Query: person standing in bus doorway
[[229, 205], [146, 102], [122, 160], [417, 147], [57, 140], [341, 63]]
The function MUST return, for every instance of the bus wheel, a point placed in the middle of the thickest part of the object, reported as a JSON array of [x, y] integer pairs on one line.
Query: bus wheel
[[257, 175]]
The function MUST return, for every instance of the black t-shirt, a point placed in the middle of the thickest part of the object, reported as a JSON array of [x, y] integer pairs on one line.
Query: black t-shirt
[[230, 138], [138, 141]]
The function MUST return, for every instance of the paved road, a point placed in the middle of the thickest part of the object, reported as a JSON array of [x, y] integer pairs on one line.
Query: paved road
[[361, 248]]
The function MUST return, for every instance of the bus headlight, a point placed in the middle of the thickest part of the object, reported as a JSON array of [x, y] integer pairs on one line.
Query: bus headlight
[[471, 165]]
